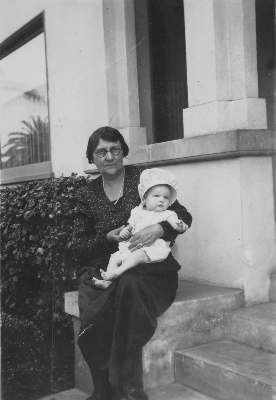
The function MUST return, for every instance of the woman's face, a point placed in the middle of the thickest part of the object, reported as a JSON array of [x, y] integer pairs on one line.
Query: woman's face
[[109, 164]]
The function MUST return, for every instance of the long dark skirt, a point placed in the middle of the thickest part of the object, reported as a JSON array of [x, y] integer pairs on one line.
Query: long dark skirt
[[121, 319]]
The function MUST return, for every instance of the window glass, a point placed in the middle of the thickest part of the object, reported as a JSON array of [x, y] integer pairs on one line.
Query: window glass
[[168, 68], [24, 106], [266, 57], [162, 72]]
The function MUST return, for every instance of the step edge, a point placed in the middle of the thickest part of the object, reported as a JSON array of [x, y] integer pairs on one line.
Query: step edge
[[230, 293], [210, 296], [251, 378], [211, 362], [247, 318], [71, 305], [177, 384], [226, 341]]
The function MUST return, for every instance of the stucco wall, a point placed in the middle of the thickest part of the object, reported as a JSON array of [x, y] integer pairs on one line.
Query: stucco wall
[[232, 239]]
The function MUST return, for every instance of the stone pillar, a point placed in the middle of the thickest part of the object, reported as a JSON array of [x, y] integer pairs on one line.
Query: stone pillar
[[121, 70], [222, 67]]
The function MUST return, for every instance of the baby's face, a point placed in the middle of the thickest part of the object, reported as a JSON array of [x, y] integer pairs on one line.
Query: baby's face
[[157, 198]]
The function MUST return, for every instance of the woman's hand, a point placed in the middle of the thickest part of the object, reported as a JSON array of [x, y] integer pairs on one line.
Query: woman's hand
[[114, 236], [146, 237]]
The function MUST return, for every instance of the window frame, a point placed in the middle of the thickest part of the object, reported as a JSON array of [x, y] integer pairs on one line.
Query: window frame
[[18, 39]]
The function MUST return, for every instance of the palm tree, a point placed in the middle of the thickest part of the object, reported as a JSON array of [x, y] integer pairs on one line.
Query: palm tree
[[29, 146]]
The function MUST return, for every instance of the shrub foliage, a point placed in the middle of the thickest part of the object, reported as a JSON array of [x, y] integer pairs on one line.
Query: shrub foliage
[[25, 359], [36, 225]]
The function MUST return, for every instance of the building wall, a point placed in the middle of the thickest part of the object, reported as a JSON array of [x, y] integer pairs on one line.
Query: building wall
[[76, 77], [232, 239]]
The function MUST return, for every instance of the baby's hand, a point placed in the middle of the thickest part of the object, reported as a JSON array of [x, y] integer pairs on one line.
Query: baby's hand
[[125, 233], [180, 226]]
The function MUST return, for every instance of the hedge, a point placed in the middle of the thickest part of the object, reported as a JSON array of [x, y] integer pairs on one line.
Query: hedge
[[36, 224], [25, 359]]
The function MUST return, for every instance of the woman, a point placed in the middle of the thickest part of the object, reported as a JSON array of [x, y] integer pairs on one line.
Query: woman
[[118, 321]]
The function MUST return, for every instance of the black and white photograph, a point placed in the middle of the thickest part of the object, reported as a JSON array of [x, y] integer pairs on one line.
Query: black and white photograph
[[138, 199]]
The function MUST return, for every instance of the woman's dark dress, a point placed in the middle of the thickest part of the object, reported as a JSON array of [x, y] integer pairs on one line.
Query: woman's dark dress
[[122, 318]]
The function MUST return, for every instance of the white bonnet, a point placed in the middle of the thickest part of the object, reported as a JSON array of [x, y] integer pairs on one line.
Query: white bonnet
[[156, 176]]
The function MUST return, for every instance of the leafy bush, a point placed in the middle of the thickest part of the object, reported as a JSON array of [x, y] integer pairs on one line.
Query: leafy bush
[[37, 222], [25, 359]]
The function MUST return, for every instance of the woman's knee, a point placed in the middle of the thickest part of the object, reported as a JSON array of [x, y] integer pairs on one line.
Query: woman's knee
[[129, 280]]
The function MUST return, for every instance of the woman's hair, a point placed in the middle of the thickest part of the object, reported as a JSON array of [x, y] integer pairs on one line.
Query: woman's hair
[[106, 133]]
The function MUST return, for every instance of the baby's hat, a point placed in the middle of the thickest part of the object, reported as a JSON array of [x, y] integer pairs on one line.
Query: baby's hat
[[156, 176]]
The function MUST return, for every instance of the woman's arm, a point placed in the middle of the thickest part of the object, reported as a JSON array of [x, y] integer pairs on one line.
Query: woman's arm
[[86, 243], [171, 234]]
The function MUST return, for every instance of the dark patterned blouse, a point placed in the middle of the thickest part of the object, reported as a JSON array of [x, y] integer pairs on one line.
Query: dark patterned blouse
[[97, 215]]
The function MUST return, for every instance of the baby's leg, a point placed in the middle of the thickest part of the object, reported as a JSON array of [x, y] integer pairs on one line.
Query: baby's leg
[[134, 259], [101, 283], [114, 262]]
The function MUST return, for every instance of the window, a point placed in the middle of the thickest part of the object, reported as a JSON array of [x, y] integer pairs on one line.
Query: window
[[24, 105], [265, 27], [266, 58], [161, 56]]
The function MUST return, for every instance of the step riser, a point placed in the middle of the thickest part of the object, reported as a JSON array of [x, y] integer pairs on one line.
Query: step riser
[[219, 383], [251, 332], [176, 392]]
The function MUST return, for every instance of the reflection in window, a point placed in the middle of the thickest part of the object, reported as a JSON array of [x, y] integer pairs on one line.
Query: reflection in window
[[24, 119]]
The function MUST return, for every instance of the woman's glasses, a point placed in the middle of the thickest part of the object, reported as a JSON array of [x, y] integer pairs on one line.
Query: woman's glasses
[[115, 150]]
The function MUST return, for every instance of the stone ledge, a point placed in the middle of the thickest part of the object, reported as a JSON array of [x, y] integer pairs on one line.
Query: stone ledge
[[187, 291], [71, 304], [26, 173], [220, 145]]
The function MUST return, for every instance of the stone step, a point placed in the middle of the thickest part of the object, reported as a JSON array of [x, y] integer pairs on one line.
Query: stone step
[[176, 392], [170, 392], [195, 317], [272, 293], [73, 394], [226, 370], [253, 326]]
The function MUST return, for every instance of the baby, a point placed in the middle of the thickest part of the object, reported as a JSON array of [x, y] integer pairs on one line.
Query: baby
[[157, 190]]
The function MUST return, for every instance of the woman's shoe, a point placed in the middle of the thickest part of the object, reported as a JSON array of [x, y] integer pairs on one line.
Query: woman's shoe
[[132, 391], [105, 394]]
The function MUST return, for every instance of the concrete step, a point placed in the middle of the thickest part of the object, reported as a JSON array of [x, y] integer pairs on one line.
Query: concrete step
[[253, 326], [73, 394], [272, 293], [176, 392], [195, 317], [226, 370], [171, 392]]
